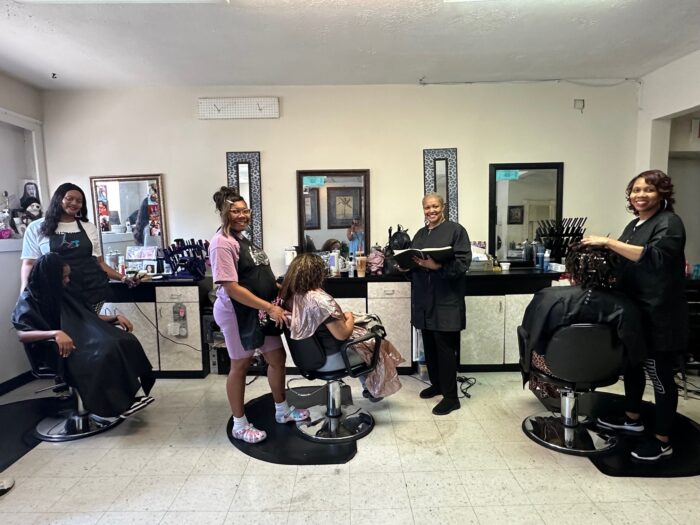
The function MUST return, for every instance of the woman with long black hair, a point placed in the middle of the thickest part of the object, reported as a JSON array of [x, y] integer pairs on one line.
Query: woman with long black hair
[[102, 359], [65, 230]]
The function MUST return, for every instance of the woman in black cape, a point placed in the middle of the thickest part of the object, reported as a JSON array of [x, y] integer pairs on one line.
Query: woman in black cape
[[96, 354]]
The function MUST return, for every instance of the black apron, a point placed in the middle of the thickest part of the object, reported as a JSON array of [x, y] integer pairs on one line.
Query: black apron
[[88, 282], [254, 274]]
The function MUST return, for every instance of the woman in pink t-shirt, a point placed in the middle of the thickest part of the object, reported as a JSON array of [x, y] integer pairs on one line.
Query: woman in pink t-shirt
[[247, 293]]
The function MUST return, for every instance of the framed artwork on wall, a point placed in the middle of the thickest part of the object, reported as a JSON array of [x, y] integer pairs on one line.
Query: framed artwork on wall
[[344, 205], [515, 214], [312, 217]]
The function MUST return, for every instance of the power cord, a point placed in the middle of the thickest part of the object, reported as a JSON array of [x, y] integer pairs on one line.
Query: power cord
[[465, 383]]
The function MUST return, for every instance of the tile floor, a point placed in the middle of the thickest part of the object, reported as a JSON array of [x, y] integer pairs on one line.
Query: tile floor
[[172, 463]]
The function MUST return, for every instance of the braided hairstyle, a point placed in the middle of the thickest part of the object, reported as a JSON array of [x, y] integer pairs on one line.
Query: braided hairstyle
[[592, 266]]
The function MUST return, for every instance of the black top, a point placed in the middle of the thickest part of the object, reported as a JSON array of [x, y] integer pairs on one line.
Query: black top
[[437, 297], [657, 280], [559, 306]]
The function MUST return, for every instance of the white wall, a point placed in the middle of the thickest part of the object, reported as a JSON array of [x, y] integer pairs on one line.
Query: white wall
[[23, 100], [383, 128], [686, 181], [665, 93]]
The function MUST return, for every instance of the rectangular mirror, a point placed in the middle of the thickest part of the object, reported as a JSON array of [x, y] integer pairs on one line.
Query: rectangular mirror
[[440, 176], [333, 210], [129, 210], [243, 173], [520, 195]]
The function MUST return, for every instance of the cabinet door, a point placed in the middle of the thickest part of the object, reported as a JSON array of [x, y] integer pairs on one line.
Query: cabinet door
[[482, 341], [179, 353], [392, 303], [515, 308], [143, 317]]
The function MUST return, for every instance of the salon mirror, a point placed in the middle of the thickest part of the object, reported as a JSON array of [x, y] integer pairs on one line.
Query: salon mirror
[[520, 195], [333, 205], [440, 176], [243, 173], [129, 210]]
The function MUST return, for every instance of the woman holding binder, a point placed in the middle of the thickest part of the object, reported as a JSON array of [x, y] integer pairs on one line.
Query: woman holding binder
[[437, 300]]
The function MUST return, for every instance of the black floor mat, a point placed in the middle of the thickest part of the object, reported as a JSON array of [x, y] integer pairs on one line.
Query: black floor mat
[[17, 421], [284, 445], [685, 460]]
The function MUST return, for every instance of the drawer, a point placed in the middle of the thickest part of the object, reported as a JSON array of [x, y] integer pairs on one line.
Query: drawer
[[387, 290], [177, 294]]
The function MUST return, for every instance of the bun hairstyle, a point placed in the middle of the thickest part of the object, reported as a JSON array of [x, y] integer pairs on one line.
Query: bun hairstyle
[[223, 200], [592, 266], [661, 182]]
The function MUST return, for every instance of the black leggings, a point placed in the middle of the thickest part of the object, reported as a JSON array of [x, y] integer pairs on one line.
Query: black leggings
[[660, 369], [441, 351]]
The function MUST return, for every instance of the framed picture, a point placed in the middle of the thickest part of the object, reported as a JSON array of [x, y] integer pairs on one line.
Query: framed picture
[[312, 217], [515, 214], [344, 205]]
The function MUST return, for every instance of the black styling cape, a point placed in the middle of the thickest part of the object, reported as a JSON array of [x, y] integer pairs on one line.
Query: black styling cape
[[657, 280], [108, 365], [558, 306]]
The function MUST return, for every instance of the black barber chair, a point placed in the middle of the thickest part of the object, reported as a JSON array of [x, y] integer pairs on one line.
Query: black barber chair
[[581, 358], [333, 423], [73, 422]]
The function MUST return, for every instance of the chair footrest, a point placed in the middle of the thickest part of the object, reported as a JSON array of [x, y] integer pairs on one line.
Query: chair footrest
[[582, 440], [352, 424]]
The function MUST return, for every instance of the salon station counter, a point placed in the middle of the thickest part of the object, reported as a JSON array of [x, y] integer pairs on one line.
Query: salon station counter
[[495, 303], [178, 347], [167, 317]]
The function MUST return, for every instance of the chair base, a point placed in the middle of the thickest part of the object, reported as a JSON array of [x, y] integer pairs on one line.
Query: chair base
[[549, 431], [352, 424], [73, 426]]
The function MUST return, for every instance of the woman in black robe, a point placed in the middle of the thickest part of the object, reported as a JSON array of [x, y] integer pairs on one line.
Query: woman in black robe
[[437, 301], [654, 275], [96, 354]]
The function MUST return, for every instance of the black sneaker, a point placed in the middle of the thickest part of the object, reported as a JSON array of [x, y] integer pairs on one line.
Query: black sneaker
[[140, 403], [652, 450], [446, 406], [368, 395], [429, 392], [622, 423]]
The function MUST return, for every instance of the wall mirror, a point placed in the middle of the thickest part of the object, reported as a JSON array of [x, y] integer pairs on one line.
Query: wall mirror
[[333, 206], [243, 173], [440, 176], [129, 210], [520, 195]]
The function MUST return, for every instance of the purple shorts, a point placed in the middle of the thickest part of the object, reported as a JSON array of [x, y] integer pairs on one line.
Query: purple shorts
[[225, 317]]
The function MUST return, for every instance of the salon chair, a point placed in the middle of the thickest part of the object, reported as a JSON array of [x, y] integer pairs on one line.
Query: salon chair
[[581, 358], [332, 422], [73, 422]]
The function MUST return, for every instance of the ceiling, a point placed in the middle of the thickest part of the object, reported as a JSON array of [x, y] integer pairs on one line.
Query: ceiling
[[318, 42]]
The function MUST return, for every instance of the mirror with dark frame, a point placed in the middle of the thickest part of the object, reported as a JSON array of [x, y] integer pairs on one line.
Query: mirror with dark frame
[[129, 210], [440, 176], [243, 173], [333, 210], [521, 195]]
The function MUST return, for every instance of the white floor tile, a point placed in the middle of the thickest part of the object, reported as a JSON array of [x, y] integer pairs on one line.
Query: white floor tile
[[378, 491], [445, 516], [206, 493], [264, 493], [512, 515], [435, 489], [152, 493], [193, 518]]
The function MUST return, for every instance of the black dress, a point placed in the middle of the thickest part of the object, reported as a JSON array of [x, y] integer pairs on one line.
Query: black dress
[[657, 280], [108, 365], [558, 306], [437, 297]]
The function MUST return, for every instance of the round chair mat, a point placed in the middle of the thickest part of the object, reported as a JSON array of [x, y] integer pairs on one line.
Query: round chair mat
[[284, 445]]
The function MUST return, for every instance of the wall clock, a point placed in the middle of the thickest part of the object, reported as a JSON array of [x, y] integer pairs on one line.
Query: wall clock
[[238, 107]]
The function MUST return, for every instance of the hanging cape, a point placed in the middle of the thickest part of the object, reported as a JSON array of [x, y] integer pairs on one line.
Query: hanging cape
[[108, 365]]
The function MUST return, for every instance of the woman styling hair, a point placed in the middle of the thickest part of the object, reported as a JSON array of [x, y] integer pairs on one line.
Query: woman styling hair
[[247, 292], [653, 274]]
